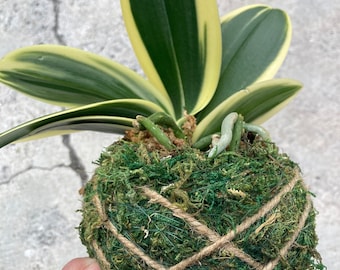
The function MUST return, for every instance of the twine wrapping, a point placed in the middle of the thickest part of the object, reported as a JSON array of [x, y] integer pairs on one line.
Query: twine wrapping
[[217, 242]]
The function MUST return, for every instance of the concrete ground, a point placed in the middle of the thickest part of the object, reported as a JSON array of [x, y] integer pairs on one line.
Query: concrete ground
[[39, 180]]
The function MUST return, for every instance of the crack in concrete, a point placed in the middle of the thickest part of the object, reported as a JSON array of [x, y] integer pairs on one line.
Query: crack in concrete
[[32, 167], [56, 10], [76, 165]]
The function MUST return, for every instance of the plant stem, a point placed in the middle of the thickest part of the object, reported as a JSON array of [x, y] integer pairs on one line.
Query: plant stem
[[237, 134], [226, 134], [259, 130], [165, 120], [155, 131]]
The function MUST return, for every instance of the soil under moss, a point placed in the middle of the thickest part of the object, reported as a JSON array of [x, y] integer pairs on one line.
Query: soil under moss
[[219, 193]]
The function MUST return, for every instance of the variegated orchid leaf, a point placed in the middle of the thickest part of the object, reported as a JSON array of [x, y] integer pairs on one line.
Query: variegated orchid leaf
[[113, 116], [256, 103], [178, 44], [181, 51], [255, 42], [71, 77]]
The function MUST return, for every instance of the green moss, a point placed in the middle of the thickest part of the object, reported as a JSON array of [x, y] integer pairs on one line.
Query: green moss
[[220, 193]]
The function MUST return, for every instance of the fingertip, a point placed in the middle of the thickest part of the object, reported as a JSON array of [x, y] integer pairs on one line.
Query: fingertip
[[82, 264]]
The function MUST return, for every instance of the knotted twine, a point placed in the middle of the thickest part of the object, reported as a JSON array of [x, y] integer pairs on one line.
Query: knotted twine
[[217, 242]]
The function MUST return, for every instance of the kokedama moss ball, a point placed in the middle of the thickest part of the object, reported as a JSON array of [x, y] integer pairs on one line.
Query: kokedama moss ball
[[244, 210]]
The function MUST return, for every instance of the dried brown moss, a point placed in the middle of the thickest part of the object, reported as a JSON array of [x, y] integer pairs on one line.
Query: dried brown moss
[[219, 193]]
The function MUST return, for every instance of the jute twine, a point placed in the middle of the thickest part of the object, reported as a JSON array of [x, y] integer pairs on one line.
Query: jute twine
[[218, 242]]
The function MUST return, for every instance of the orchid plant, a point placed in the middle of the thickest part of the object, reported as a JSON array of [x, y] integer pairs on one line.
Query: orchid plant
[[194, 62], [199, 70]]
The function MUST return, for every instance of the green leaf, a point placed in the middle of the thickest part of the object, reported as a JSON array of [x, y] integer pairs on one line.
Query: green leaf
[[255, 43], [69, 77], [256, 103], [109, 116], [178, 44]]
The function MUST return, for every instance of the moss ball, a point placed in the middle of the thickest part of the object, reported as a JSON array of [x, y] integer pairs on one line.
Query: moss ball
[[244, 210]]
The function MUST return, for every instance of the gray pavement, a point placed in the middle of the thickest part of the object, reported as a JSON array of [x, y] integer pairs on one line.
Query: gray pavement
[[39, 180]]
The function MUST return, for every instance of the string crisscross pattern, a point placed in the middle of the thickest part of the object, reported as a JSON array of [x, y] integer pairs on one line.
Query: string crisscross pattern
[[218, 242]]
